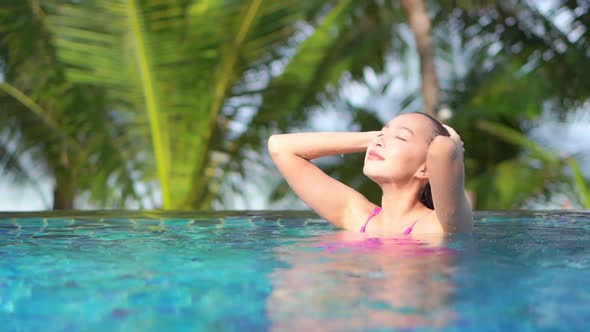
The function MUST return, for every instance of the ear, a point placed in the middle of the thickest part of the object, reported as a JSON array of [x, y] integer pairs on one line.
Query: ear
[[422, 172]]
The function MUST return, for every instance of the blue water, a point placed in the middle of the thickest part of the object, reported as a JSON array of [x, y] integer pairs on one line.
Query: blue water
[[120, 271]]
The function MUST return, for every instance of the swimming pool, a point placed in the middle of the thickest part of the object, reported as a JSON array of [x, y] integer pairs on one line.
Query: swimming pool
[[121, 271]]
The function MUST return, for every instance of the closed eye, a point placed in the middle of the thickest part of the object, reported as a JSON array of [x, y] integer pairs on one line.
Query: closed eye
[[405, 140]]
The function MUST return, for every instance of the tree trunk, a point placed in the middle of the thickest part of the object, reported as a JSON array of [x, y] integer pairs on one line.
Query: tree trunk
[[421, 27], [63, 194]]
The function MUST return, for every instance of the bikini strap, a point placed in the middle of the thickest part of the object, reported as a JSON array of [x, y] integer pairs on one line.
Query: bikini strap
[[409, 229], [375, 212]]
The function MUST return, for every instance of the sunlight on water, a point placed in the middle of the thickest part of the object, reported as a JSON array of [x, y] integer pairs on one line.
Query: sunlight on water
[[126, 271]]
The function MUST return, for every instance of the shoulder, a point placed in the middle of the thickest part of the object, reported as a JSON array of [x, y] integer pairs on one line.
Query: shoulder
[[356, 215], [428, 224]]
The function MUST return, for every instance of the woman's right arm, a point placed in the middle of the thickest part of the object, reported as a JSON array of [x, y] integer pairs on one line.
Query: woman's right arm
[[331, 199]]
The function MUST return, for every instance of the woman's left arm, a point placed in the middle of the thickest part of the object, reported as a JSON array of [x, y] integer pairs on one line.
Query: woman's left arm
[[446, 174]]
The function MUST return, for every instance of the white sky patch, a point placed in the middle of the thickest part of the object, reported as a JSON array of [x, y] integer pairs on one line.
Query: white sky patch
[[19, 197], [567, 138]]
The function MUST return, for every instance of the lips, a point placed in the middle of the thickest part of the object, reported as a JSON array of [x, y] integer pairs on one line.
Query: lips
[[374, 156]]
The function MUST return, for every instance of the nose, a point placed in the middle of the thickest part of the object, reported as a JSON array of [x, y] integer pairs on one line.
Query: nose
[[379, 141]]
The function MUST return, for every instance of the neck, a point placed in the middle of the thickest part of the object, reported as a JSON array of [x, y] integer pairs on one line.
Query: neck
[[401, 202]]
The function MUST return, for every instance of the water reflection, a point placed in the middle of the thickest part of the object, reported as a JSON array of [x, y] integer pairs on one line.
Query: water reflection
[[348, 281]]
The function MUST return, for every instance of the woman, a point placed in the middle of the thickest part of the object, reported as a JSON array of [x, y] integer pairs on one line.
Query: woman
[[416, 160]]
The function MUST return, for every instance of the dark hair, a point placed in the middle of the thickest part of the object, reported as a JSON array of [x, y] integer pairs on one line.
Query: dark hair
[[439, 129]]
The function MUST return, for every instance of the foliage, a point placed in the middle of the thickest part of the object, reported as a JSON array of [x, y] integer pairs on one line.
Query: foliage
[[61, 127], [501, 73]]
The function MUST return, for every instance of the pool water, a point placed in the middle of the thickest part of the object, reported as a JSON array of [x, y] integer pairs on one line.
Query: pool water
[[121, 271]]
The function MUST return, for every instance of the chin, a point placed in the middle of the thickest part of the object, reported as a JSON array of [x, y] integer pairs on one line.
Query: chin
[[374, 174], [367, 170]]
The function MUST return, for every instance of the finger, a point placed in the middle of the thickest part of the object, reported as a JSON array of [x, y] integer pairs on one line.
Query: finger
[[451, 131], [453, 135]]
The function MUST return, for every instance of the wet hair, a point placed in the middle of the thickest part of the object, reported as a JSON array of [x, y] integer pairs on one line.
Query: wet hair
[[439, 129]]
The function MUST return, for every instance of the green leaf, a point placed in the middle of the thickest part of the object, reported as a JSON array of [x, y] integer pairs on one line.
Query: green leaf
[[509, 184], [519, 139], [580, 182]]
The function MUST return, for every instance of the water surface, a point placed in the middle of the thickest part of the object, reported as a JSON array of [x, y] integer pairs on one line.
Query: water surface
[[122, 271]]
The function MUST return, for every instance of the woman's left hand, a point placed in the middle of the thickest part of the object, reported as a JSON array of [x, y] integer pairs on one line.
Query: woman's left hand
[[455, 136]]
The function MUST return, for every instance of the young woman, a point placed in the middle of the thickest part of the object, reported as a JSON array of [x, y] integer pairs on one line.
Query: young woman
[[416, 160]]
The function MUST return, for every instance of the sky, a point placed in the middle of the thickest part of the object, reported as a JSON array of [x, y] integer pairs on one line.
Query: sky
[[15, 197]]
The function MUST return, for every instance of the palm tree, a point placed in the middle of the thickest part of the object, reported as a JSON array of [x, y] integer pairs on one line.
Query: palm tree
[[186, 73], [179, 80], [172, 67]]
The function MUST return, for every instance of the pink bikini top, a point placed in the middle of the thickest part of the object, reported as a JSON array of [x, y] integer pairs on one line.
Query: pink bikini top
[[376, 212]]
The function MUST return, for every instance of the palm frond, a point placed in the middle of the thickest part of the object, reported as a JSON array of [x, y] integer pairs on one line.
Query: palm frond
[[580, 182], [108, 44], [519, 139], [510, 183]]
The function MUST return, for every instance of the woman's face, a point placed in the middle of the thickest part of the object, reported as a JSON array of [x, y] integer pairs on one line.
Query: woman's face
[[399, 152]]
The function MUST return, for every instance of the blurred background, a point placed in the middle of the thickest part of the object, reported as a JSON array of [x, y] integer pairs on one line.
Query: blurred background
[[167, 104]]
